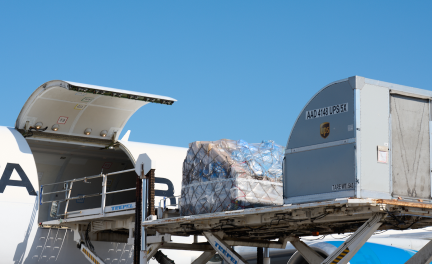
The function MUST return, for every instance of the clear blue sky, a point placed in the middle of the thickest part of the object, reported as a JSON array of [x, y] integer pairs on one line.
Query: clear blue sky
[[239, 69]]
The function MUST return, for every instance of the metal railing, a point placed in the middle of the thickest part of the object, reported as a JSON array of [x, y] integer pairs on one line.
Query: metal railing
[[163, 205], [162, 202], [67, 189]]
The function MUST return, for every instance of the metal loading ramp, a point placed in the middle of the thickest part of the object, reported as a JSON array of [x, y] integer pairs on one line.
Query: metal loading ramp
[[274, 227]]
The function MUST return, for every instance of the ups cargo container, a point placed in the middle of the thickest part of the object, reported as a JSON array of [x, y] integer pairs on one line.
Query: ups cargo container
[[360, 138]]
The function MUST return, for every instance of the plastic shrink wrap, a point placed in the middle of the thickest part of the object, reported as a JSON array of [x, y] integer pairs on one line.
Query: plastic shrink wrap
[[229, 175]]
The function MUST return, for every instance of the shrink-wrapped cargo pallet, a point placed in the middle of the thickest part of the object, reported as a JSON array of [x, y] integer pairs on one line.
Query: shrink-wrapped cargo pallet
[[228, 175]]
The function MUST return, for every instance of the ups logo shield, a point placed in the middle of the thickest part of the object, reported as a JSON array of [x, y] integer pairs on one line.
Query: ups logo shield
[[325, 129]]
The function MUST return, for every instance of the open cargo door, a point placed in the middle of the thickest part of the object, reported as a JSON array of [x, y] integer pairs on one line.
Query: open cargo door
[[62, 108]]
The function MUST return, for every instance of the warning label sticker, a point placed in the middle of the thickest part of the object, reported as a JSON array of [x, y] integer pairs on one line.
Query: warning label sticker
[[87, 99], [62, 120], [342, 186], [327, 111], [382, 156], [79, 107]]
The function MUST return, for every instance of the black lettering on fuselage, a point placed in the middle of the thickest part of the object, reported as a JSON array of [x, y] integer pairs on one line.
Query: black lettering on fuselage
[[6, 181], [167, 193]]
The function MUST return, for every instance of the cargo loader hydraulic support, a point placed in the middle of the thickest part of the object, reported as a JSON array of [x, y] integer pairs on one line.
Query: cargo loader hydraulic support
[[266, 256], [310, 255], [349, 248], [423, 256], [224, 250], [344, 253], [204, 257]]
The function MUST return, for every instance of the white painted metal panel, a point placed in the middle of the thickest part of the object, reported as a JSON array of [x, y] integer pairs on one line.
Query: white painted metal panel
[[374, 117], [401, 88], [167, 162], [75, 107]]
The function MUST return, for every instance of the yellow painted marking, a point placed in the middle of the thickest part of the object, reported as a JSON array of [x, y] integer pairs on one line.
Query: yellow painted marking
[[90, 256], [341, 256], [79, 107]]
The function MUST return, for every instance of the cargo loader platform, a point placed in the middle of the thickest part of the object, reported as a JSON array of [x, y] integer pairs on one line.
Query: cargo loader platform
[[273, 227], [360, 138], [114, 221], [266, 227], [329, 217], [104, 212]]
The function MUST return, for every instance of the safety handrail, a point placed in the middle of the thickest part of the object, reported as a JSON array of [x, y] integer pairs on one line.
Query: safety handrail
[[67, 185], [56, 192], [164, 206], [89, 177], [74, 198], [124, 190]]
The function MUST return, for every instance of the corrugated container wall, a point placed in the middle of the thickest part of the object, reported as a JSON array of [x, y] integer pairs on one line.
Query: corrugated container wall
[[360, 138]]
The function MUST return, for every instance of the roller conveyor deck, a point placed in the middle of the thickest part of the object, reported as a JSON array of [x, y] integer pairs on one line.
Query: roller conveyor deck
[[329, 217]]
